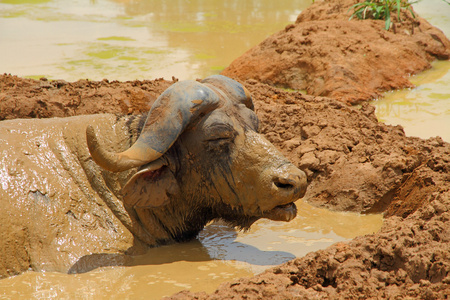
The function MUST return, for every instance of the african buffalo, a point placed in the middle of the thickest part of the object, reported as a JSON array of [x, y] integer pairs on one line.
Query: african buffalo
[[119, 184]]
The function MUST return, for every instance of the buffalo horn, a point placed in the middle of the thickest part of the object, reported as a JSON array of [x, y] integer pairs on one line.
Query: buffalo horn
[[233, 89], [171, 113]]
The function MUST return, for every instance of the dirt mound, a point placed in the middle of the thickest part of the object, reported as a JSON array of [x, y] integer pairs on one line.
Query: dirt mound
[[353, 162], [353, 61], [29, 98]]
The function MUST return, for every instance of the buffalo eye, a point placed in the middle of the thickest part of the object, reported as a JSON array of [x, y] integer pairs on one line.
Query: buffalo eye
[[219, 135]]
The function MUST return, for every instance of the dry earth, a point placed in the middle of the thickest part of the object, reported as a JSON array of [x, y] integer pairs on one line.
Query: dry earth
[[28, 98], [353, 162]]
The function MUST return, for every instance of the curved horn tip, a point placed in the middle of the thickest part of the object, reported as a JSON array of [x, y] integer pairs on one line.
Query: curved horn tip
[[94, 146], [100, 156], [135, 156], [91, 138]]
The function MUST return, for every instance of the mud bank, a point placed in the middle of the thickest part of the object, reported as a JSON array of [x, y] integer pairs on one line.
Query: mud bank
[[407, 259], [327, 55], [28, 98]]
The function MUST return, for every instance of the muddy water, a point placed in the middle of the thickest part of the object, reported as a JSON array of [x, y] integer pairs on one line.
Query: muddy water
[[126, 40], [425, 110], [219, 254]]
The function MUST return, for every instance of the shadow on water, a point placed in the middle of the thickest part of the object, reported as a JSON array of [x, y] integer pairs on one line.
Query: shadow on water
[[217, 255], [216, 242], [266, 244]]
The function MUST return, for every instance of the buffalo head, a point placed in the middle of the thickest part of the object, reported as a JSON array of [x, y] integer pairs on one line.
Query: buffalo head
[[199, 157]]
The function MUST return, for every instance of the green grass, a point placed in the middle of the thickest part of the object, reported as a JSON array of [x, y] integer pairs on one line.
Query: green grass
[[381, 9]]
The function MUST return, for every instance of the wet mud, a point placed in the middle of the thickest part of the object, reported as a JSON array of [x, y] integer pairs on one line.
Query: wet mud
[[353, 163]]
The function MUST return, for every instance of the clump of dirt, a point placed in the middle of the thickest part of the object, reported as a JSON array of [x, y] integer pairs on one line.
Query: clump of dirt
[[353, 162], [29, 98], [353, 61]]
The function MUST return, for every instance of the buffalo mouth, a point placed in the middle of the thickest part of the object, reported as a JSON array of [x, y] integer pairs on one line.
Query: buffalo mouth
[[285, 212]]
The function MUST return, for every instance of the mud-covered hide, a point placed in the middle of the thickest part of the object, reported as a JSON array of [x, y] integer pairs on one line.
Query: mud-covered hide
[[51, 196]]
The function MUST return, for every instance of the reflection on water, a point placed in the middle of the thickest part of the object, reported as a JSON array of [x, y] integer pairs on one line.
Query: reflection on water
[[423, 111], [219, 254]]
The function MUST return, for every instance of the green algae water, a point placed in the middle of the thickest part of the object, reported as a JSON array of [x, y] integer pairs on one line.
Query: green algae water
[[127, 40]]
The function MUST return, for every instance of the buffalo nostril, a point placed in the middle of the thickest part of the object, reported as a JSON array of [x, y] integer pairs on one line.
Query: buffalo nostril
[[283, 183]]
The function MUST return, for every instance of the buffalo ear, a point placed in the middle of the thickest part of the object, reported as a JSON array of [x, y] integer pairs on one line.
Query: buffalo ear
[[150, 186]]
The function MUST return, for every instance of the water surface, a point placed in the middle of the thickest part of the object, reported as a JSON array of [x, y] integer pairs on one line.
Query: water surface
[[127, 40], [219, 254], [425, 110]]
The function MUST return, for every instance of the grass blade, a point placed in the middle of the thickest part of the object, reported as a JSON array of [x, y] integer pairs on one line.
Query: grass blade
[[388, 17], [398, 9]]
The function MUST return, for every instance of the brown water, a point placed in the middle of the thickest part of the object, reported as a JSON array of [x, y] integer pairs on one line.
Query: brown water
[[423, 111], [219, 254], [126, 40]]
